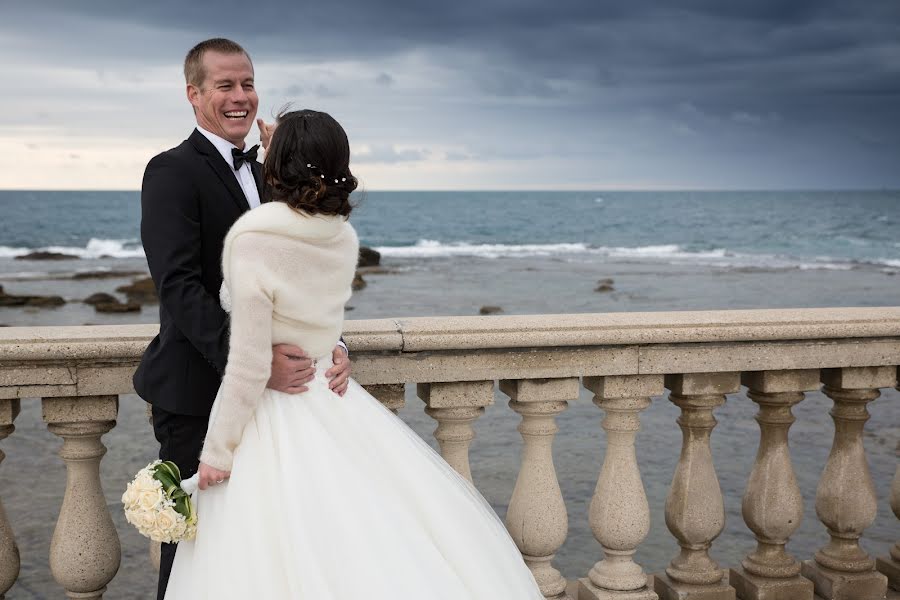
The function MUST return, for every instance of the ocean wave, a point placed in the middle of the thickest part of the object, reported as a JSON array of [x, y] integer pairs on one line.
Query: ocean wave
[[435, 249], [673, 254], [95, 248]]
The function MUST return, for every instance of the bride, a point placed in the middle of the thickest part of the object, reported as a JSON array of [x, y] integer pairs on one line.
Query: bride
[[317, 495]]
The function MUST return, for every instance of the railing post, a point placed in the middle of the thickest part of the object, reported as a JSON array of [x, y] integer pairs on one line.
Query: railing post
[[619, 512], [391, 395], [695, 510], [84, 551], [773, 505], [890, 565], [9, 552], [845, 499], [536, 518], [455, 405]]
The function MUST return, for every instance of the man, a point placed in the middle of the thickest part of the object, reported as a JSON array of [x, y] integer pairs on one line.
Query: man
[[190, 197]]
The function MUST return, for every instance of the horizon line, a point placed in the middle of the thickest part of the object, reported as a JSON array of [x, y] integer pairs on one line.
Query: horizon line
[[541, 189]]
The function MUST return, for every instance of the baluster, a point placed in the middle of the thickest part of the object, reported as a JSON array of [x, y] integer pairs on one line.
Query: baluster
[[84, 551], [9, 552], [695, 511], [845, 499], [890, 565], [773, 505], [391, 395], [619, 513], [536, 518], [455, 406]]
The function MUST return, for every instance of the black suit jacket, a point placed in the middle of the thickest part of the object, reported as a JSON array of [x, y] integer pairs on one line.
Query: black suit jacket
[[190, 198]]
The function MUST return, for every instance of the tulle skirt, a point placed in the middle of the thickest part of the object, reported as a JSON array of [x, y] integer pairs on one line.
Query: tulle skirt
[[335, 498]]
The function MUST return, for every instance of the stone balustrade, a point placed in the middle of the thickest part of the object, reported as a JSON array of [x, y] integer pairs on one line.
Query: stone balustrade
[[627, 361]]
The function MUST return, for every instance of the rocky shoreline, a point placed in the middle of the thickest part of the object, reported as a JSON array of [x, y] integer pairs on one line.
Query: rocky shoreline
[[140, 291]]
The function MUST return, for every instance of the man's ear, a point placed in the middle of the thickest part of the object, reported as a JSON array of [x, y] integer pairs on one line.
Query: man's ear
[[193, 95]]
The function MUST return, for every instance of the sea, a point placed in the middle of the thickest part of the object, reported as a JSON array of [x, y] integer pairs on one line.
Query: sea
[[452, 253]]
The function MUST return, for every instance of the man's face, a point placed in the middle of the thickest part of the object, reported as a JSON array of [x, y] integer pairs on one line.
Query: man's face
[[225, 104]]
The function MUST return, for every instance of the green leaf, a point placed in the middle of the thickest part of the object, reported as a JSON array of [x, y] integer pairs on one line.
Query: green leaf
[[182, 507]]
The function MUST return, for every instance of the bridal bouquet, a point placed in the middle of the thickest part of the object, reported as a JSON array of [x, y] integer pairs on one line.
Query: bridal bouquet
[[158, 506]]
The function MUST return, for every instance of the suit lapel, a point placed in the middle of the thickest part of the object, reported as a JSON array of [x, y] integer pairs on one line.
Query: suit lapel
[[256, 169], [221, 168]]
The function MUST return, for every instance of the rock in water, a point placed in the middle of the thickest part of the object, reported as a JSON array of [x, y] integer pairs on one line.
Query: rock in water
[[42, 255], [100, 298], [490, 310], [605, 285], [30, 301], [106, 274], [358, 283], [368, 257], [141, 291], [45, 301], [117, 307]]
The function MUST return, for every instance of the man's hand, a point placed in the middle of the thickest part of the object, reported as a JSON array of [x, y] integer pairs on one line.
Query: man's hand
[[339, 374], [265, 132], [210, 476], [291, 369]]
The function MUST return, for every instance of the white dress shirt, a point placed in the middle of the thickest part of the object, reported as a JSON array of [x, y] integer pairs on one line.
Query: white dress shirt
[[244, 175]]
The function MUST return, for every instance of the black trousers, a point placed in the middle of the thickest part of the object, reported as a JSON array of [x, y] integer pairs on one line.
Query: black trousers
[[180, 440]]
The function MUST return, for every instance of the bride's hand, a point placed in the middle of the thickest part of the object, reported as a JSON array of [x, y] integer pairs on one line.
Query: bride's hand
[[211, 476], [265, 132]]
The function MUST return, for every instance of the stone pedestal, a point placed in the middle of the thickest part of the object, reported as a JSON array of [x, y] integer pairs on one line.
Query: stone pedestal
[[695, 510], [749, 586], [846, 502], [669, 589], [536, 519], [9, 551], [889, 565], [85, 551], [455, 406], [772, 505], [619, 512], [841, 585]]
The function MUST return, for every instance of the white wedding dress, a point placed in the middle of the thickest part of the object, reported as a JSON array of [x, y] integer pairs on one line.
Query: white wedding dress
[[335, 498]]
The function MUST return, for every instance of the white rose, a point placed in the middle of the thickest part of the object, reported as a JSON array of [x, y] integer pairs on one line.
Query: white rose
[[179, 529], [166, 519], [150, 499], [130, 497], [144, 520]]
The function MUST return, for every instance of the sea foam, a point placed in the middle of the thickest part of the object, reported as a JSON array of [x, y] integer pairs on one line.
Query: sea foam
[[95, 248]]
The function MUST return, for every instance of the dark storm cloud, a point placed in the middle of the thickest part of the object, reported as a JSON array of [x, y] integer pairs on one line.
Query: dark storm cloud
[[703, 72], [771, 47]]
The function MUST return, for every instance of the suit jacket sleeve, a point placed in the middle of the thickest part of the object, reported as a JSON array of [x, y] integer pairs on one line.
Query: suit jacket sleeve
[[171, 235]]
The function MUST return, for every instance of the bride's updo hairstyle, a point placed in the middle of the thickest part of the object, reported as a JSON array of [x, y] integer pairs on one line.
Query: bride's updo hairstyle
[[307, 164]]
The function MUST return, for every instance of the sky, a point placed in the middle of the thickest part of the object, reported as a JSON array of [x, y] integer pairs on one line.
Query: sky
[[476, 94]]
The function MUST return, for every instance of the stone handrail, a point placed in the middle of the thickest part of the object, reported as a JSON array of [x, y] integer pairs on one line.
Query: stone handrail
[[541, 363]]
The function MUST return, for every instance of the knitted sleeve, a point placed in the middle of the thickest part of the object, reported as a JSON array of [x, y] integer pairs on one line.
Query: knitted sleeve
[[249, 355]]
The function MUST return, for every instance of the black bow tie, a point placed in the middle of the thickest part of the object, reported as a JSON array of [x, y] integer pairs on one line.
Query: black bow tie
[[241, 157]]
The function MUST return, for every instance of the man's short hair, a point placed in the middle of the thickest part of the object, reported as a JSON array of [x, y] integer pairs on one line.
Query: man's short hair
[[194, 73]]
